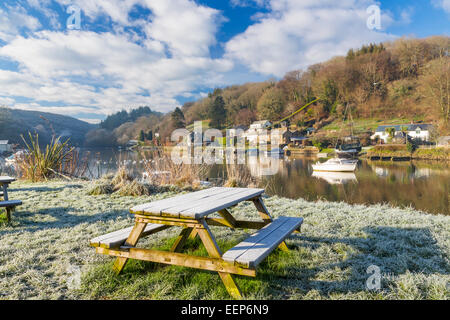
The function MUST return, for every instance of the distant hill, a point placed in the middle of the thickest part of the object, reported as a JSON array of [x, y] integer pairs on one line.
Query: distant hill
[[14, 122]]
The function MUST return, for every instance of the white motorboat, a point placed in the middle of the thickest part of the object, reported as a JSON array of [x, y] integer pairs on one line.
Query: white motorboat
[[335, 177], [336, 165]]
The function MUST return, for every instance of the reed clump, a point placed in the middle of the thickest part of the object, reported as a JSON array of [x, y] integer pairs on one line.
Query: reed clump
[[122, 183], [238, 176], [162, 171], [38, 164], [134, 189], [101, 187]]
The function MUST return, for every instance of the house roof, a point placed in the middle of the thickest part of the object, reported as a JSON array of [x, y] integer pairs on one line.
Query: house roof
[[409, 127], [261, 122], [240, 127]]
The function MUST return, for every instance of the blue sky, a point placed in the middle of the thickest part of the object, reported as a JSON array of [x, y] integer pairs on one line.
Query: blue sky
[[162, 53]]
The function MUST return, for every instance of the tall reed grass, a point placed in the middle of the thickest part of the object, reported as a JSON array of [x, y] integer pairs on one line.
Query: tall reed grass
[[57, 159], [161, 170]]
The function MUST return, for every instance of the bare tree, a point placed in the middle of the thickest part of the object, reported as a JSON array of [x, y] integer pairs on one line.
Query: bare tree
[[437, 84]]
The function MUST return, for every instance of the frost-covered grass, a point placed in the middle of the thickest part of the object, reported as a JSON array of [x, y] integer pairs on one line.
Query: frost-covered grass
[[46, 246]]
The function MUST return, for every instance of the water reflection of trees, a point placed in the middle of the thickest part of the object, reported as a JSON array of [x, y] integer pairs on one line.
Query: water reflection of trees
[[423, 184], [423, 187]]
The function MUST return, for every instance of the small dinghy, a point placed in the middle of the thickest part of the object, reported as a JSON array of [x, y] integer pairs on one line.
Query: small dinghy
[[336, 165]]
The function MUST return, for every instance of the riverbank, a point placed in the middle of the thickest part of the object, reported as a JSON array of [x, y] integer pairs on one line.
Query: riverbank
[[45, 248], [400, 152]]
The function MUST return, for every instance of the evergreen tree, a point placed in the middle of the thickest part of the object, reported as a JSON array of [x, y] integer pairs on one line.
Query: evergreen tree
[[217, 113], [150, 135], [178, 118], [329, 95], [142, 136]]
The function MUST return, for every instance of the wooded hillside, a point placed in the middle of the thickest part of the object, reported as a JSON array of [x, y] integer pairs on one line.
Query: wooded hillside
[[14, 122], [406, 79]]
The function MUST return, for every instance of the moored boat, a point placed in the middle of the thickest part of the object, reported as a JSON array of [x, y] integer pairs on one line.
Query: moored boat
[[336, 165]]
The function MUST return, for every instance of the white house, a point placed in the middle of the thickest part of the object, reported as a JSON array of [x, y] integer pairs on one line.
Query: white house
[[262, 124], [258, 129], [415, 131], [5, 146], [235, 131]]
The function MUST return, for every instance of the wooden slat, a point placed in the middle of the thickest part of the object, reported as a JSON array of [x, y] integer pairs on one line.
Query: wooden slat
[[117, 238], [10, 203], [155, 207], [254, 249], [250, 242], [179, 209], [223, 203], [260, 251], [6, 179], [180, 259]]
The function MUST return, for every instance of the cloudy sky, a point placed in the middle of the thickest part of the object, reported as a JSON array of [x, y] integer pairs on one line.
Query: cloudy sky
[[90, 58]]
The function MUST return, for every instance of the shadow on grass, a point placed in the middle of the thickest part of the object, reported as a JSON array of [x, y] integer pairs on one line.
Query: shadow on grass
[[46, 189], [396, 251], [61, 218]]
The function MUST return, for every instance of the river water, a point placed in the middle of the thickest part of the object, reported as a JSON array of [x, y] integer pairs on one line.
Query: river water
[[423, 185]]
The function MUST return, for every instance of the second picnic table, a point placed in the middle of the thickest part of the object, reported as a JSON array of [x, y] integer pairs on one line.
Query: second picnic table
[[191, 212], [9, 205]]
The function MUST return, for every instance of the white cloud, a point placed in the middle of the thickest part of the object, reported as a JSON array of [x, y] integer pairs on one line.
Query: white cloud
[[170, 19], [296, 34], [117, 10], [247, 3], [90, 120], [100, 73], [444, 4], [13, 20]]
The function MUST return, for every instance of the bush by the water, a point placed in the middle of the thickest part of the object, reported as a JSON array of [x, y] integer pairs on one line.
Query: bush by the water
[[38, 164]]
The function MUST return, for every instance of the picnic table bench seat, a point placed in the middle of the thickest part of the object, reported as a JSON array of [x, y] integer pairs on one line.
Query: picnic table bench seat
[[250, 252], [10, 203], [117, 238]]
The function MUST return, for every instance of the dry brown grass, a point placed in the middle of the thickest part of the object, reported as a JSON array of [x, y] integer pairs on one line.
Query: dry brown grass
[[238, 176], [161, 170]]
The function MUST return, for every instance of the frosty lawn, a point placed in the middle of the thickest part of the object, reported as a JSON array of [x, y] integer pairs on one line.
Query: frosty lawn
[[45, 249]]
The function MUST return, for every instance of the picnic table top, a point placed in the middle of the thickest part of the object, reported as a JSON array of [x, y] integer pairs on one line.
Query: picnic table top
[[198, 204], [6, 179]]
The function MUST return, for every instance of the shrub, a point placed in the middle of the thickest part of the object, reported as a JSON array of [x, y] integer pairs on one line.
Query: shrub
[[411, 147], [37, 164]]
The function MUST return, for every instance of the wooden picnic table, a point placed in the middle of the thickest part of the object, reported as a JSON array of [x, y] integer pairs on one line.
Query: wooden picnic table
[[192, 212], [4, 182], [9, 205]]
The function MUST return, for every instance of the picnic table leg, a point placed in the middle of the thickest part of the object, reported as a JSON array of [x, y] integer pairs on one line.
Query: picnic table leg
[[179, 242], [265, 215], [8, 215], [193, 234], [133, 238], [5, 191], [214, 252]]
